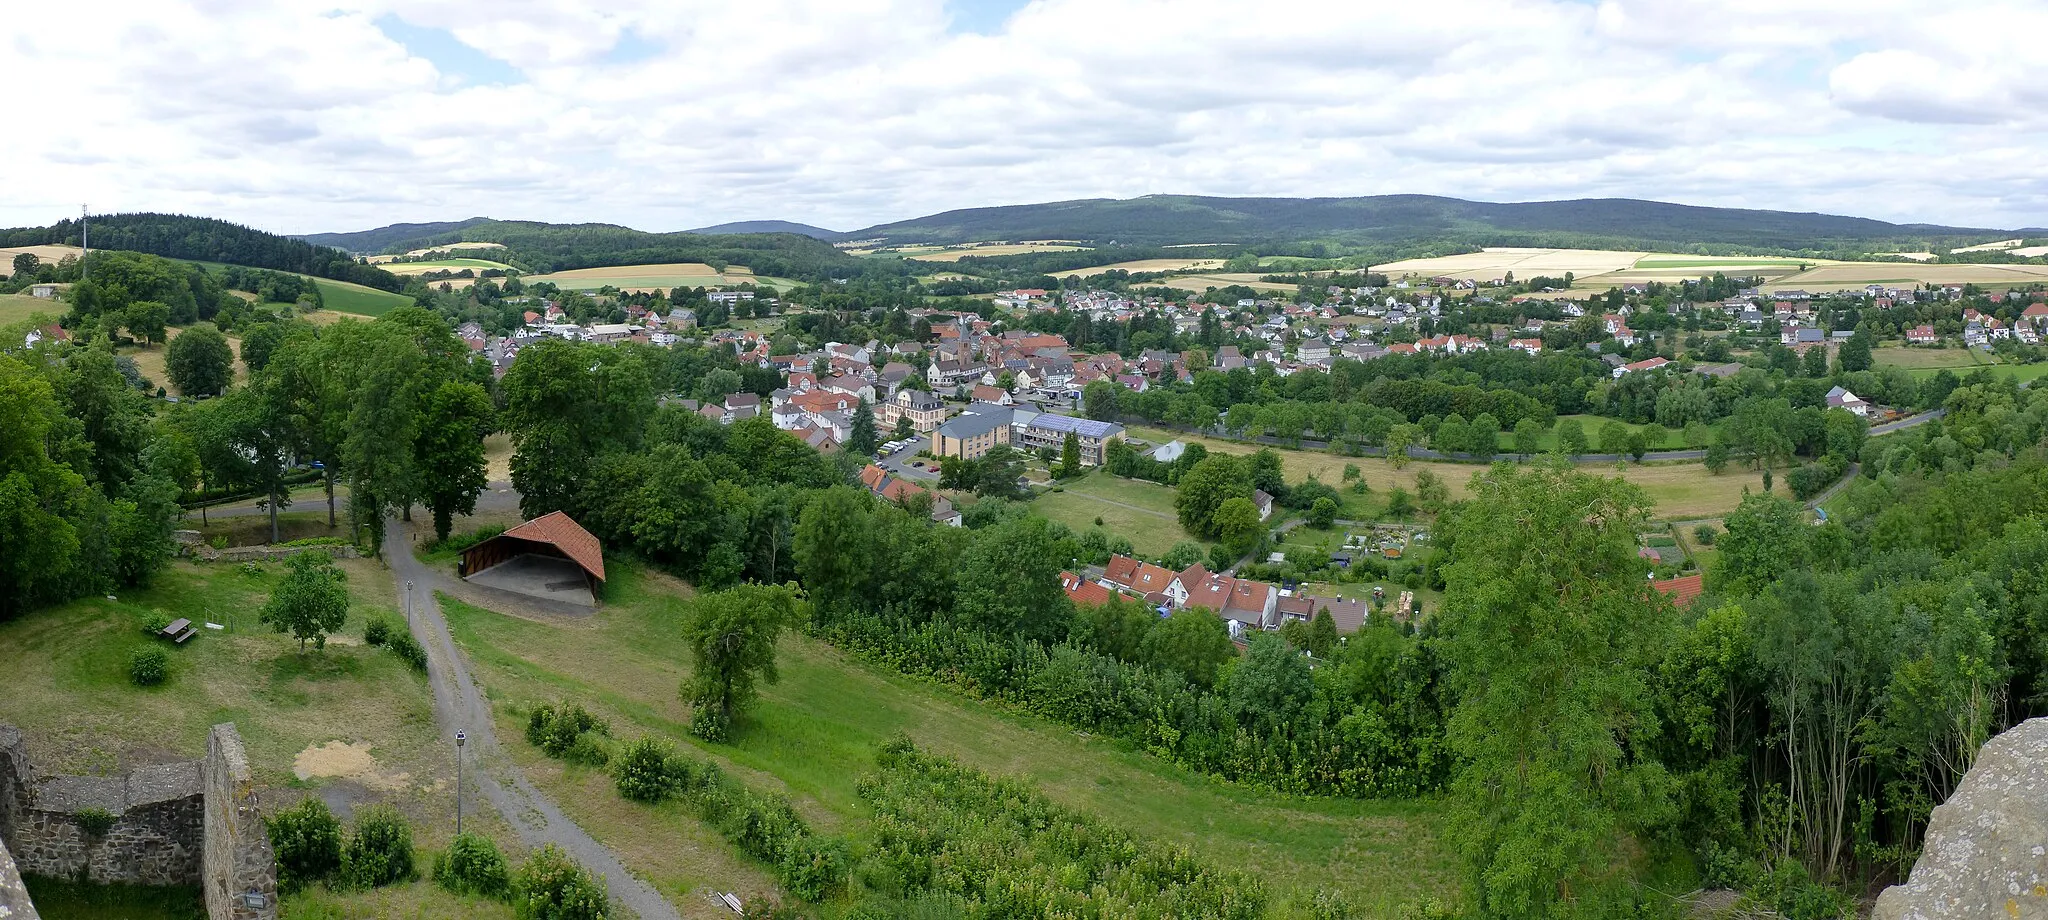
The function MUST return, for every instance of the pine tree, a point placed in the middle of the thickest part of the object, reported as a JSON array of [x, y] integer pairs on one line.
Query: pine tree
[[862, 441]]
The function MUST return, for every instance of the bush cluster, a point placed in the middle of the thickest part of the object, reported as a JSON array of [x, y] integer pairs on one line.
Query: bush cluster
[[569, 732], [764, 827], [306, 839], [408, 650], [377, 629], [380, 851], [552, 887], [473, 865], [95, 822], [462, 541], [148, 666]]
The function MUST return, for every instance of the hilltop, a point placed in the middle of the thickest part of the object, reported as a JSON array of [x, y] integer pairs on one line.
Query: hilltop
[[772, 226], [1165, 219], [372, 242]]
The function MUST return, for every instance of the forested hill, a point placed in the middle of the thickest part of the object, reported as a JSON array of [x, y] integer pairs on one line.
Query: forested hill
[[540, 248], [773, 226], [1165, 219], [380, 240], [205, 239]]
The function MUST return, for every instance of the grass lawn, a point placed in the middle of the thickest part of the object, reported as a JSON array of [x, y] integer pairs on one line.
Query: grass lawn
[[1677, 490], [16, 308], [64, 899], [1660, 437], [1141, 511], [814, 734], [2020, 372], [345, 297], [1957, 359], [68, 690]]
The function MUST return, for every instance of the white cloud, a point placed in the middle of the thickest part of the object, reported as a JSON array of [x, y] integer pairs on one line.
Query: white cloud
[[304, 116]]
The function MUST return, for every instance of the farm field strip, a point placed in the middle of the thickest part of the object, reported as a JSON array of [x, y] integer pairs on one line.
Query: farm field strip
[[1150, 265], [661, 276], [1004, 249]]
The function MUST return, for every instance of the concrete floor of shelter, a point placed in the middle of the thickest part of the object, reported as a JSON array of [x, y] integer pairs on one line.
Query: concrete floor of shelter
[[545, 577]]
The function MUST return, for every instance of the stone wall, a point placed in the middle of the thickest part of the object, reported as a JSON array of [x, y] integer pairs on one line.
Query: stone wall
[[1986, 852], [14, 903], [240, 871], [174, 824]]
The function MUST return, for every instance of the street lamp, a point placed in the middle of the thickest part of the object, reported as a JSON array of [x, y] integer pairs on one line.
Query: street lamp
[[408, 605], [460, 737]]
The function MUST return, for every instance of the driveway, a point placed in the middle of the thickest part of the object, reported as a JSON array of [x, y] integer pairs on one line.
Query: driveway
[[459, 704]]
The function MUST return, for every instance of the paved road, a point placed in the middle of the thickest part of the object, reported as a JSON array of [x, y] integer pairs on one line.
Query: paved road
[[459, 704]]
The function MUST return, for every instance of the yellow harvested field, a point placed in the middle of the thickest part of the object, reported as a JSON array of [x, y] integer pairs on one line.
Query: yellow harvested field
[[45, 253], [448, 248], [992, 249], [2031, 252], [1199, 283], [1489, 264], [1152, 265], [1915, 256], [421, 268], [150, 360], [1987, 247], [1843, 275], [1679, 491], [648, 277]]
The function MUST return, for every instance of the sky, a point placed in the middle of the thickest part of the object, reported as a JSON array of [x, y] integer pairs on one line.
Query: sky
[[672, 114]]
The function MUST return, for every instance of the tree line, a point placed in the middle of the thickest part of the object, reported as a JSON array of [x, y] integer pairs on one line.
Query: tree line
[[206, 239]]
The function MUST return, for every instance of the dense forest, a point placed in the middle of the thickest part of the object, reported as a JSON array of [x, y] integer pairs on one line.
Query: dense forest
[[205, 239], [1617, 223]]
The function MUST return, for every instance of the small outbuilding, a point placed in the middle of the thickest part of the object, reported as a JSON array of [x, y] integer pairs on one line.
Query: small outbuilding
[[550, 557]]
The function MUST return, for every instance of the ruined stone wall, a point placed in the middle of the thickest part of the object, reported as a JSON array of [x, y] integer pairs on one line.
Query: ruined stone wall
[[154, 840], [1986, 852], [14, 904], [174, 824], [240, 870]]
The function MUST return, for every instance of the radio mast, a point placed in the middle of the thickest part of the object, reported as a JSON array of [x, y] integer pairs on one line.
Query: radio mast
[[84, 243]]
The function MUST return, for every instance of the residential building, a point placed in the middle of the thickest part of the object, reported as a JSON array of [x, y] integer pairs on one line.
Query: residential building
[[973, 433], [1840, 398], [925, 411], [1040, 429], [1649, 365]]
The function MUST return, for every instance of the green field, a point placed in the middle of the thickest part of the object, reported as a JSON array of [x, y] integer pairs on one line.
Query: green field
[[1142, 511], [344, 297], [1926, 362], [814, 734], [16, 308]]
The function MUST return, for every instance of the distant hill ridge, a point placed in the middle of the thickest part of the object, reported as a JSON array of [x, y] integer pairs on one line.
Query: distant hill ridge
[[1624, 223], [772, 226], [1159, 219]]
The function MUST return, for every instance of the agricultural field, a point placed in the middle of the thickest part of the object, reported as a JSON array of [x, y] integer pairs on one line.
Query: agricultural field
[[1677, 490], [814, 734], [1597, 270], [1926, 362], [956, 253], [452, 247], [659, 277], [1200, 283], [50, 254], [1850, 275], [16, 308], [1152, 265], [420, 268], [1140, 511], [1492, 263], [348, 297]]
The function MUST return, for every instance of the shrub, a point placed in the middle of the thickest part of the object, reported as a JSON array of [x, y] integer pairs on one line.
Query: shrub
[[409, 650], [812, 866], [590, 749], [155, 622], [556, 728], [462, 541], [307, 841], [377, 629], [643, 770], [1705, 534], [473, 865], [551, 887], [380, 851], [148, 666], [95, 822]]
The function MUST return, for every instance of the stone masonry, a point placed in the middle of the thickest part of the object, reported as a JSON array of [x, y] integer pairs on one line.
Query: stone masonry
[[192, 823], [239, 865], [14, 903], [1986, 852]]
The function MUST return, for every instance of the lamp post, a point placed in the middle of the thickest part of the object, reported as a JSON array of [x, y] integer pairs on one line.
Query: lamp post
[[460, 737], [408, 605]]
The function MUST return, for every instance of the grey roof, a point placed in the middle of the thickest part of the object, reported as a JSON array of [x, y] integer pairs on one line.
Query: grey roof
[[983, 419], [1085, 427]]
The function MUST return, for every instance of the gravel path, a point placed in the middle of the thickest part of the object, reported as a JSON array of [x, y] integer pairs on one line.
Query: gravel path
[[459, 703]]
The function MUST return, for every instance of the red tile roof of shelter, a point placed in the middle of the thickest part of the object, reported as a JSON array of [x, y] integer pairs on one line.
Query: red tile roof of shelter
[[556, 529], [1681, 590]]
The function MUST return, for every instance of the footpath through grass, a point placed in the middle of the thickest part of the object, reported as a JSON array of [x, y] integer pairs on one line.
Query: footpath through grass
[[814, 734]]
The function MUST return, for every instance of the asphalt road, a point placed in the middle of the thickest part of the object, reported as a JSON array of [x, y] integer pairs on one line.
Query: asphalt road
[[459, 704]]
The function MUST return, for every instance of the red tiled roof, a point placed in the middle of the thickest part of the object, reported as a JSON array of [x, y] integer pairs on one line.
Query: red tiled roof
[[1681, 590], [1082, 592], [556, 529]]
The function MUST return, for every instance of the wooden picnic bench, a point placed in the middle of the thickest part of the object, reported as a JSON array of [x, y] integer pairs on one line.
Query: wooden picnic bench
[[179, 630]]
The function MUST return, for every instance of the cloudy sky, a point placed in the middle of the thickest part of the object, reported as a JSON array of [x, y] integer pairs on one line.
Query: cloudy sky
[[672, 114]]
